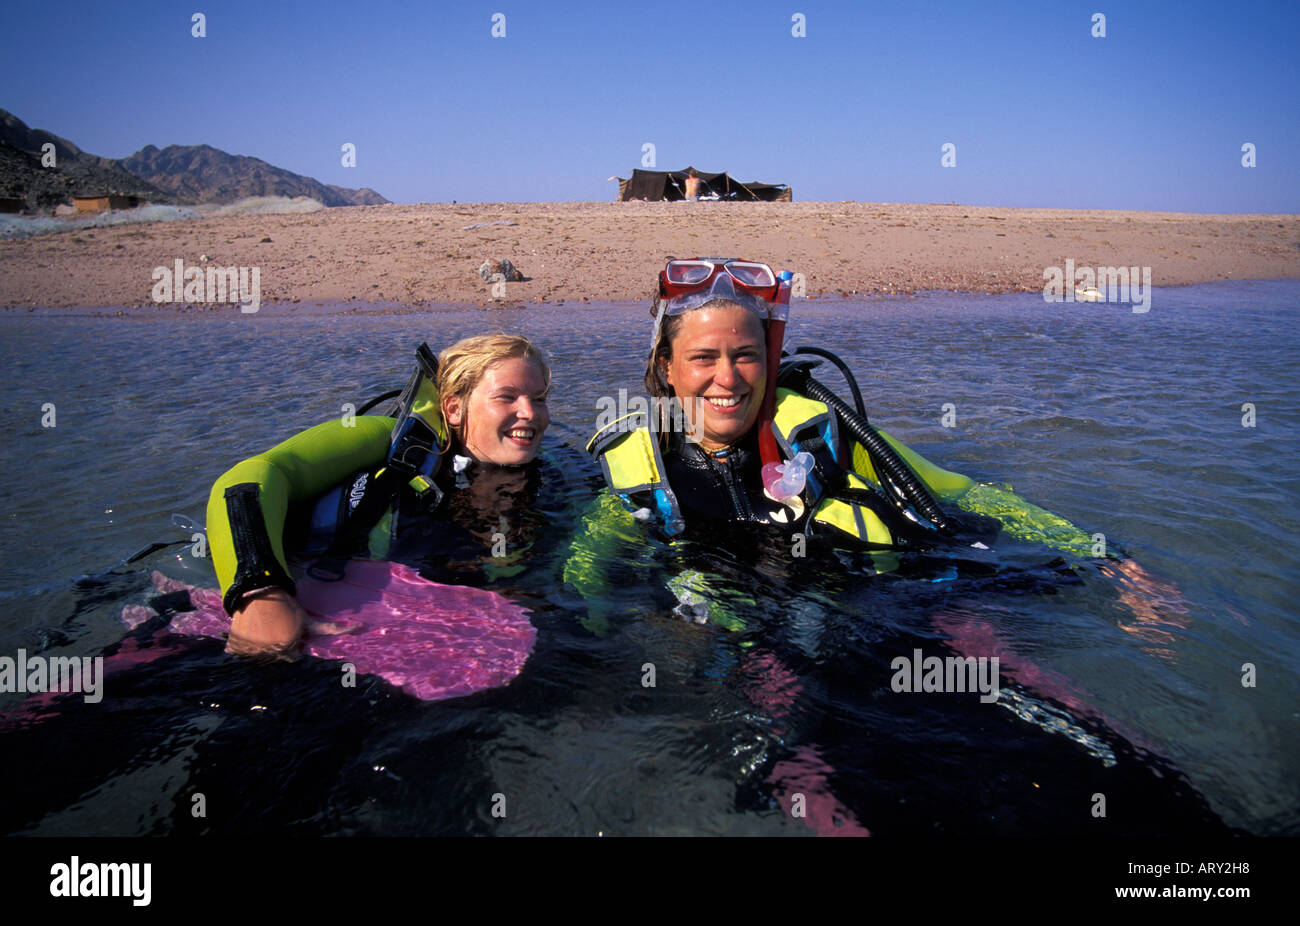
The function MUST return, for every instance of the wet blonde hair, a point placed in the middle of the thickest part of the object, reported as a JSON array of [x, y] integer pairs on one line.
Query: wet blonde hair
[[463, 365]]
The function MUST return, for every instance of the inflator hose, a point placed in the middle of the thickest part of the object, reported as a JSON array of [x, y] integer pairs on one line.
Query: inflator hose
[[844, 369], [377, 399], [889, 464]]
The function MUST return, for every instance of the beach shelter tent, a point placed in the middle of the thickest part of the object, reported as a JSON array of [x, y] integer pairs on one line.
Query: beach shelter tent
[[769, 192], [656, 185]]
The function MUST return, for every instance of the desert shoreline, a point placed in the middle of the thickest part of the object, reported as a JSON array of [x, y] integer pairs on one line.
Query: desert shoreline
[[414, 256]]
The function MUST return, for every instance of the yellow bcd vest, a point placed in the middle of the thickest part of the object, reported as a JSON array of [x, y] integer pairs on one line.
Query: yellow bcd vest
[[629, 456]]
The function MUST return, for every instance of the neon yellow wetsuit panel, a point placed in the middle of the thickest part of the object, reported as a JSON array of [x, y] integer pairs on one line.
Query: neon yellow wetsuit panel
[[1020, 519], [303, 466], [943, 483], [609, 532]]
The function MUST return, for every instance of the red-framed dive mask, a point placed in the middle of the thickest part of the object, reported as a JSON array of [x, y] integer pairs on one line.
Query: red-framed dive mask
[[688, 284]]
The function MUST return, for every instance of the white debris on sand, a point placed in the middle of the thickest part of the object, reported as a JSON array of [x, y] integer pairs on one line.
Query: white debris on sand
[[17, 226]]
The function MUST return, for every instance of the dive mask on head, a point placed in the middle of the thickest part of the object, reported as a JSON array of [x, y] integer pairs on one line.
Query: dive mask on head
[[689, 284]]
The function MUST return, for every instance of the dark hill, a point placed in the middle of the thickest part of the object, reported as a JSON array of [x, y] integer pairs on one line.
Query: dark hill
[[75, 173], [206, 174], [176, 174]]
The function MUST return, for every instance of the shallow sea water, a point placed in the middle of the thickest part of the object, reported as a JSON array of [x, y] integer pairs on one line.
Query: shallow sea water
[[1127, 424]]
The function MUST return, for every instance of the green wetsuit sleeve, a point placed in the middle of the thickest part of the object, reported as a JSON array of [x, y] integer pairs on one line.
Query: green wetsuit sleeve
[[305, 465], [1026, 521], [1020, 519], [607, 534], [612, 559]]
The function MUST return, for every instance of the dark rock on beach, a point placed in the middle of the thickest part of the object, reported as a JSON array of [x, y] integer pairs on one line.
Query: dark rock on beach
[[497, 271]]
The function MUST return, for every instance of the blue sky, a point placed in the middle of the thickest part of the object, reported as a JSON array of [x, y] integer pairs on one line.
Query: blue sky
[[1153, 116]]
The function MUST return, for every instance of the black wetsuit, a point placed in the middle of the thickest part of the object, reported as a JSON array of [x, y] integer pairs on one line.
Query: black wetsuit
[[725, 485], [481, 505]]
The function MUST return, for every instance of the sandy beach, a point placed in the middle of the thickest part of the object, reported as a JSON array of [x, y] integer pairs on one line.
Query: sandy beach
[[425, 254]]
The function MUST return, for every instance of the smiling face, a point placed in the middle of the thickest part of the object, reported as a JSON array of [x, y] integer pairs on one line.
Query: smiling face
[[505, 414], [718, 369]]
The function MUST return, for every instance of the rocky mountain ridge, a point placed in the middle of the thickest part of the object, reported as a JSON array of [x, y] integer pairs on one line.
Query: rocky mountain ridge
[[177, 174]]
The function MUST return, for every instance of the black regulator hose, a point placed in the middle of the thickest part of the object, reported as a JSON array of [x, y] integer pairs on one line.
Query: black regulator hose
[[377, 399], [844, 370], [890, 467]]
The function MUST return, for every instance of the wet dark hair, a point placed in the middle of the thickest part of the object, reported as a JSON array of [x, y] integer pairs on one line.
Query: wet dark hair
[[656, 383]]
